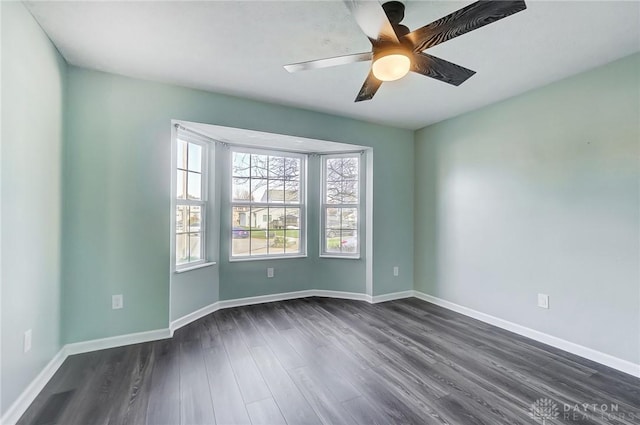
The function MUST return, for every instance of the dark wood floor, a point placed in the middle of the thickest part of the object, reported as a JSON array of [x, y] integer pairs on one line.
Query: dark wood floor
[[330, 361]]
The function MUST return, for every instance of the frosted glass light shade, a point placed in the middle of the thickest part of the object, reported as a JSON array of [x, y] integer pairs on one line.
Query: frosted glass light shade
[[391, 67]]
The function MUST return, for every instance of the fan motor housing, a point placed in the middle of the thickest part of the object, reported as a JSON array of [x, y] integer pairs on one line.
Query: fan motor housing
[[395, 13]]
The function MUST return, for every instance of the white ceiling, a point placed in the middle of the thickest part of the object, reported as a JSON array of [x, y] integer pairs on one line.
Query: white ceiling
[[239, 47]]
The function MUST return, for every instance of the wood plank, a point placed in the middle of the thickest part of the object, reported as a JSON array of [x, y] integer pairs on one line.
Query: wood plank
[[53, 408], [132, 395], [251, 335], [293, 405], [164, 394], [323, 401], [72, 375], [252, 386], [364, 412], [228, 405], [99, 392], [195, 397], [287, 355], [265, 412], [209, 332]]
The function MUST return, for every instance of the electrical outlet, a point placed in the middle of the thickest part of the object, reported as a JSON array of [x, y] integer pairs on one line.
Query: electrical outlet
[[543, 300], [27, 341], [117, 302], [269, 271], [396, 271]]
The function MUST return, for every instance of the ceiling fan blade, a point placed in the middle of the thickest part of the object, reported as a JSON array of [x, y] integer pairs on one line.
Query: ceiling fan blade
[[440, 69], [325, 63], [372, 20], [469, 18], [369, 88]]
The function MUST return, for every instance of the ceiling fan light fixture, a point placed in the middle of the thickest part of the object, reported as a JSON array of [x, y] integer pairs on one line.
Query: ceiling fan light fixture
[[391, 65]]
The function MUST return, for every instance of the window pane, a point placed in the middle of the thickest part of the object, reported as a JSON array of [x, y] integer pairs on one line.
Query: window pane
[[277, 242], [240, 240], [292, 239], [350, 168], [276, 167], [277, 218], [334, 192], [259, 190], [259, 242], [332, 241], [240, 235], [259, 166], [241, 164], [292, 218], [194, 183], [292, 192], [349, 218], [350, 192], [195, 217], [349, 241], [195, 250], [259, 218], [182, 154], [181, 218], [241, 189], [195, 157], [182, 249], [241, 217], [292, 168], [334, 169], [276, 191], [332, 219], [181, 184]]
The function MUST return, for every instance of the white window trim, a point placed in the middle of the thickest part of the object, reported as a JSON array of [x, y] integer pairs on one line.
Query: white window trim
[[203, 203], [323, 206], [302, 204]]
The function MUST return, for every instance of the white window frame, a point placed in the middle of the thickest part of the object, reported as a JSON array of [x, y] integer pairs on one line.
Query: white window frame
[[324, 206], [302, 203], [202, 203]]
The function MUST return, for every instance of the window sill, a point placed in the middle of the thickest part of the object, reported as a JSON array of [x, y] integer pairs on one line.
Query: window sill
[[341, 257], [196, 267], [240, 259]]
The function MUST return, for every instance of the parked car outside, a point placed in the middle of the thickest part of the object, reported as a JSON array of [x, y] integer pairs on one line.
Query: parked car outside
[[239, 232]]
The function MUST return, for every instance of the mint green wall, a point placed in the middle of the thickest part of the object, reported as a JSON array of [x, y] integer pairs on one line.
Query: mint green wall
[[33, 75], [539, 193], [117, 198]]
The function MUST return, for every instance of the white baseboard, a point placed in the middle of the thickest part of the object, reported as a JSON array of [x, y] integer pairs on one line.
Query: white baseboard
[[392, 296], [573, 348], [193, 316], [239, 302], [341, 294], [115, 341], [22, 403]]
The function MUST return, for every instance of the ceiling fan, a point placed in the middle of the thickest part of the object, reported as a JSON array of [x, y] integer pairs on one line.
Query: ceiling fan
[[396, 50]]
